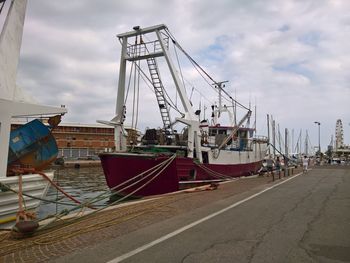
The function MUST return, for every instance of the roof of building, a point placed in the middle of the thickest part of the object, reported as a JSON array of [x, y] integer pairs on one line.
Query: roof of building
[[68, 124], [72, 124]]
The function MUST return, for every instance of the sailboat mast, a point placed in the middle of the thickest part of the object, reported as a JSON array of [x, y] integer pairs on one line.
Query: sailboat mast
[[274, 137], [268, 131], [307, 143]]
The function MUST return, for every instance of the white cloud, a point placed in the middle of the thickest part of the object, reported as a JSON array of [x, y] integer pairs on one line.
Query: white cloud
[[290, 56]]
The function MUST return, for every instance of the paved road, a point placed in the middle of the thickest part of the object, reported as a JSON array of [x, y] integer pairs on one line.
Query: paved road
[[306, 219]]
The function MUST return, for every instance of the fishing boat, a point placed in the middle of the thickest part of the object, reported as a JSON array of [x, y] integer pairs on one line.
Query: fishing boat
[[205, 151], [26, 151]]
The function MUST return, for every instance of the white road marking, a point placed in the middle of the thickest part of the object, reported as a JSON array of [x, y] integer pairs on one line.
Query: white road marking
[[182, 229]]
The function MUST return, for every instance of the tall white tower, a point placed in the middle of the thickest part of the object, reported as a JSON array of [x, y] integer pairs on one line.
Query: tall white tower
[[339, 135]]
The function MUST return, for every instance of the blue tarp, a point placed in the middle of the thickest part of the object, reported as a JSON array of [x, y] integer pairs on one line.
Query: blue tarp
[[34, 142]]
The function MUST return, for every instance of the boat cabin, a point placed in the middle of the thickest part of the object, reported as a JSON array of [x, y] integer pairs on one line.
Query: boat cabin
[[211, 137], [214, 136]]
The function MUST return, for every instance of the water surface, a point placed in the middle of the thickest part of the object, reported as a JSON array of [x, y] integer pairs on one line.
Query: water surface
[[83, 184]]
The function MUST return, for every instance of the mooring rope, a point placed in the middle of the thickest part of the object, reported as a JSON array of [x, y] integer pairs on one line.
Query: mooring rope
[[58, 188], [213, 173], [160, 168], [155, 168], [5, 187], [66, 231]]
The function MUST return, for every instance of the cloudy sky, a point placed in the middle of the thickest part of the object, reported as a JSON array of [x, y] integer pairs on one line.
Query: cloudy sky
[[291, 58]]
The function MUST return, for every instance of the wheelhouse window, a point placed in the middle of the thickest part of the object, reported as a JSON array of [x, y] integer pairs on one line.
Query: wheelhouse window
[[223, 132], [213, 132]]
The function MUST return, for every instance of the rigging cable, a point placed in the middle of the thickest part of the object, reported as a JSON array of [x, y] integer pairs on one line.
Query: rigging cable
[[150, 86], [193, 62], [188, 56], [311, 146], [297, 144], [200, 93], [197, 66], [2, 6], [168, 100], [127, 91]]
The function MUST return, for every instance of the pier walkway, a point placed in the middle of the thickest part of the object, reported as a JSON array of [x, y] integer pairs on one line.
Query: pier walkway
[[300, 218]]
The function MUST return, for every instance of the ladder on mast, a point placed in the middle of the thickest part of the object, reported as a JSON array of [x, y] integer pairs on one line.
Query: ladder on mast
[[159, 91]]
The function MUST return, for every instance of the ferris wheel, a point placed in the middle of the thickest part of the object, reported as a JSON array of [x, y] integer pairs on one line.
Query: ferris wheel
[[339, 134]]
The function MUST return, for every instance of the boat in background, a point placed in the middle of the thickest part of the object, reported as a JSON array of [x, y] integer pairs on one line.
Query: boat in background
[[204, 152], [26, 152]]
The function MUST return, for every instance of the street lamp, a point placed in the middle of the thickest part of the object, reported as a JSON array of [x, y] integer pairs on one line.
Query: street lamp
[[319, 139]]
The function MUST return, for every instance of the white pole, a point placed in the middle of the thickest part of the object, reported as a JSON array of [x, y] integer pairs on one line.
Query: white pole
[[268, 130], [286, 152], [119, 138]]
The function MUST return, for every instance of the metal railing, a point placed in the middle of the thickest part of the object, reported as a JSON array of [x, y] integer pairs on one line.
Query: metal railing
[[146, 48]]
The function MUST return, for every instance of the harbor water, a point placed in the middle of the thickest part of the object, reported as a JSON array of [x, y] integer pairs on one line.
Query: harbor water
[[82, 184]]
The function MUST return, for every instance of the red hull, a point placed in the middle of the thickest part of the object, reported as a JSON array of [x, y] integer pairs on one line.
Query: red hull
[[119, 168]]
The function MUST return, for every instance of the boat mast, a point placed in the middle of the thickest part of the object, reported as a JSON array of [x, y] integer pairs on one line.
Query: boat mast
[[220, 85], [274, 136], [151, 50], [190, 118], [117, 121]]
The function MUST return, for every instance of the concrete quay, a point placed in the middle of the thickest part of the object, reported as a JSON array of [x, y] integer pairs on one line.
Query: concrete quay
[[300, 218]]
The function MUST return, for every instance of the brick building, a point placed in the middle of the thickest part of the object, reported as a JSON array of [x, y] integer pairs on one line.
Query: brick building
[[80, 140]]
